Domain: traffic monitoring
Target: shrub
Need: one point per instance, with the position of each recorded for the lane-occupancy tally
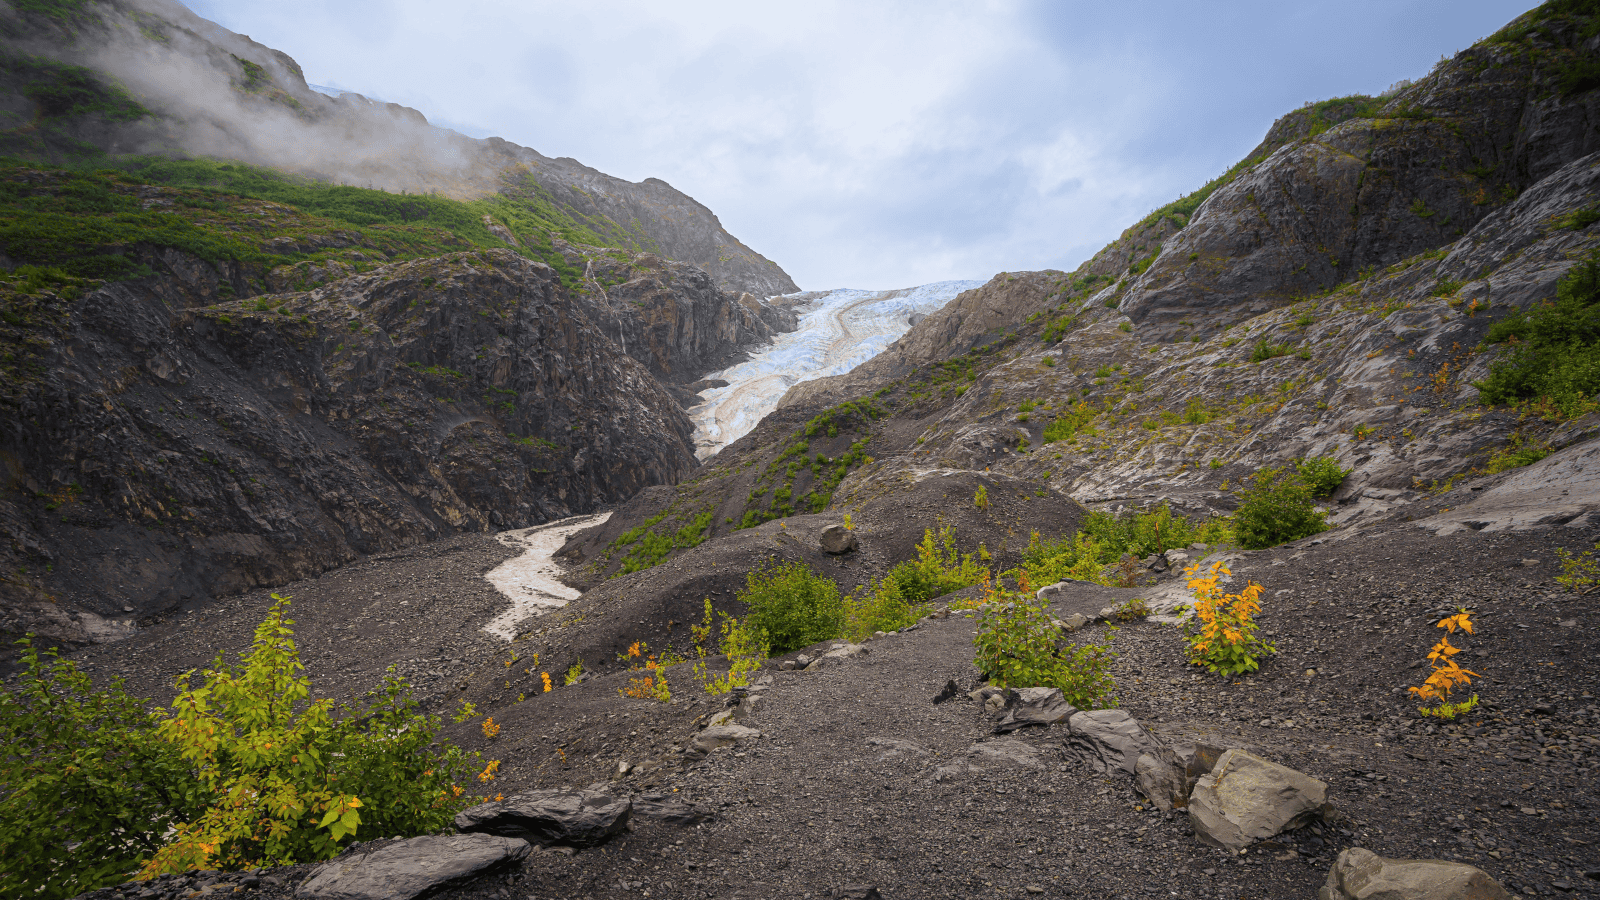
(744, 645)
(245, 770)
(288, 780)
(1263, 351)
(1017, 646)
(89, 788)
(1322, 474)
(1071, 422)
(1555, 346)
(1222, 634)
(794, 606)
(1446, 675)
(901, 596)
(1277, 507)
(1104, 539)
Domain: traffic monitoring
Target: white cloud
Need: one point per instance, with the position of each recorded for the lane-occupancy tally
(877, 144)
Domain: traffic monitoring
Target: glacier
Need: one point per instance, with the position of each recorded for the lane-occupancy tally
(839, 330)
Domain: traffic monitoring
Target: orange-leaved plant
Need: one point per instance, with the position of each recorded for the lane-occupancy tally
(1222, 634)
(1447, 675)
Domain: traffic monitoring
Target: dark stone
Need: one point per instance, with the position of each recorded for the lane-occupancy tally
(949, 693)
(1034, 706)
(410, 868)
(837, 539)
(857, 892)
(572, 818)
(1110, 739)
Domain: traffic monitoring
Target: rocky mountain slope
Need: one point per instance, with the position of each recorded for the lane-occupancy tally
(151, 77)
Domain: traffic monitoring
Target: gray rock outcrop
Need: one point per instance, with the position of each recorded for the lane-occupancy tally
(402, 870)
(1034, 706)
(570, 818)
(1247, 799)
(1109, 740)
(1363, 875)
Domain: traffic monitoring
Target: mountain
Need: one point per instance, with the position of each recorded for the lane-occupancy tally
(150, 77)
(227, 362)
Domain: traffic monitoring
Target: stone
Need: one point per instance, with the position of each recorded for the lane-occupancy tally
(712, 739)
(1360, 874)
(1176, 559)
(896, 748)
(857, 892)
(987, 756)
(1110, 739)
(671, 810)
(1074, 622)
(1161, 781)
(837, 539)
(411, 868)
(983, 694)
(567, 817)
(1033, 706)
(1245, 799)
(950, 692)
(726, 717)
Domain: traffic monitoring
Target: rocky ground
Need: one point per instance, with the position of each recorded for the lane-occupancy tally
(844, 786)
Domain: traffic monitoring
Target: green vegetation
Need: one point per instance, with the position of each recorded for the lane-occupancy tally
(1017, 645)
(1105, 539)
(818, 475)
(1555, 347)
(64, 94)
(792, 605)
(1518, 453)
(901, 596)
(1322, 474)
(1263, 351)
(245, 770)
(1277, 507)
(646, 547)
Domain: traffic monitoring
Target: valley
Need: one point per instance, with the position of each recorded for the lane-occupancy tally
(1276, 517)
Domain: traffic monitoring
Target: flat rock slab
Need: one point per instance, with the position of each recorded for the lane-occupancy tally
(719, 736)
(1363, 875)
(410, 868)
(1247, 799)
(661, 808)
(571, 818)
(1034, 706)
(1561, 489)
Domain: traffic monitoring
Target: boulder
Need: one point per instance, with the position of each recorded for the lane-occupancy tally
(1161, 781)
(401, 870)
(1363, 875)
(1246, 799)
(571, 818)
(1110, 739)
(1034, 706)
(720, 736)
(837, 539)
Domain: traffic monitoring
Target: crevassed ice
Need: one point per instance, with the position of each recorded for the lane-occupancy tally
(838, 331)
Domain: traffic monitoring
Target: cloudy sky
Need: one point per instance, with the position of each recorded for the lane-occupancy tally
(870, 143)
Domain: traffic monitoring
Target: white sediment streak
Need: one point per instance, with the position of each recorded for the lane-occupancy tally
(530, 581)
(842, 330)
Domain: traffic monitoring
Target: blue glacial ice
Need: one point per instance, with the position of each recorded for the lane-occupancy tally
(838, 331)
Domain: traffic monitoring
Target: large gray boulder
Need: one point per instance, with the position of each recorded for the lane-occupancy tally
(716, 737)
(1363, 875)
(410, 868)
(572, 818)
(1034, 706)
(1110, 740)
(837, 539)
(1246, 799)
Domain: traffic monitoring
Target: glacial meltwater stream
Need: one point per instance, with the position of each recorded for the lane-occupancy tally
(838, 331)
(530, 581)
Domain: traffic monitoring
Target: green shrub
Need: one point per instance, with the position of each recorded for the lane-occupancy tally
(1277, 507)
(1263, 351)
(245, 770)
(793, 605)
(1555, 347)
(1103, 539)
(87, 788)
(901, 596)
(1322, 474)
(1071, 422)
(1017, 646)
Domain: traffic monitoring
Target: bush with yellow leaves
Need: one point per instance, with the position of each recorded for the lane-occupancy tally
(1447, 674)
(1222, 634)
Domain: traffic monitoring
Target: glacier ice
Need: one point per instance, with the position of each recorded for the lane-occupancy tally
(838, 331)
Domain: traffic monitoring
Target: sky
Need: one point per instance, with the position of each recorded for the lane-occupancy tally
(872, 143)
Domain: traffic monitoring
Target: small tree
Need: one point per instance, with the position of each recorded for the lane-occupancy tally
(793, 606)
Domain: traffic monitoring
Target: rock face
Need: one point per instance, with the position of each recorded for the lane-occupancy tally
(569, 818)
(1110, 740)
(1247, 799)
(1034, 706)
(1363, 875)
(198, 452)
(402, 870)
